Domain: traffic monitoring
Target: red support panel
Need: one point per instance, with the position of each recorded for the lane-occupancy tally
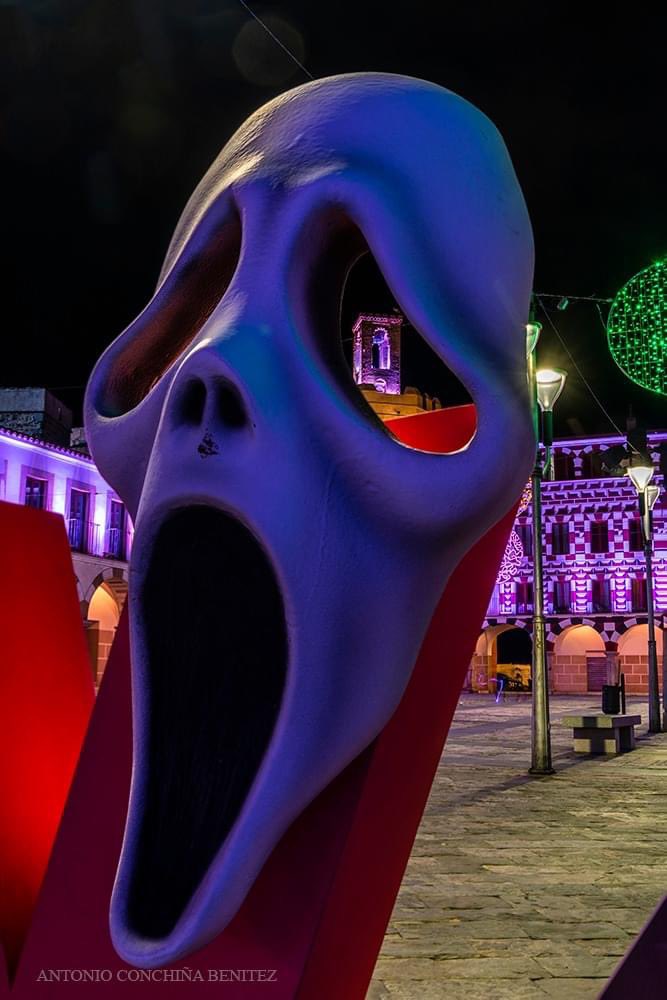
(46, 697)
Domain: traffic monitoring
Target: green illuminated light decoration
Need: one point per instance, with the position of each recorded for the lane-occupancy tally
(637, 328)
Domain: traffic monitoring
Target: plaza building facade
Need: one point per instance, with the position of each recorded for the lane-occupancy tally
(595, 578)
(64, 479)
(594, 564)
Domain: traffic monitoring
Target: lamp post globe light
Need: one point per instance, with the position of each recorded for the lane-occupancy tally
(550, 384)
(641, 475)
(546, 386)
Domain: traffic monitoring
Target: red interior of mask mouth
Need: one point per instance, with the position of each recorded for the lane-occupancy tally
(216, 651)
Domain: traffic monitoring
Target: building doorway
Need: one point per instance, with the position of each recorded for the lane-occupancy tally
(596, 671)
(102, 621)
(514, 655)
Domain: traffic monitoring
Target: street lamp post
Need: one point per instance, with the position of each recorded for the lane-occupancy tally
(545, 387)
(641, 476)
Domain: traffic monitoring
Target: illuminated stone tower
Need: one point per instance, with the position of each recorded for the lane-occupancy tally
(376, 352)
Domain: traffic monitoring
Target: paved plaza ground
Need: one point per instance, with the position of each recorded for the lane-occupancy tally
(522, 887)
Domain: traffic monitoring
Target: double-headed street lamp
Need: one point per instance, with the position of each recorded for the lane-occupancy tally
(546, 386)
(648, 493)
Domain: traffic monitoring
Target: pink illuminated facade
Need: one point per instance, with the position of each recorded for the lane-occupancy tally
(64, 480)
(595, 577)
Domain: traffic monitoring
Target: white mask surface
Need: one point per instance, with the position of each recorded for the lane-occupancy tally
(289, 551)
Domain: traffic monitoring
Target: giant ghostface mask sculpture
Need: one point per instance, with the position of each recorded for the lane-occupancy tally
(289, 551)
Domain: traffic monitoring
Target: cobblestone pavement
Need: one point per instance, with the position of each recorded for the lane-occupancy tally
(523, 887)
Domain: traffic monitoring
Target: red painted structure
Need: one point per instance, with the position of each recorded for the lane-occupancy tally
(318, 912)
(46, 697)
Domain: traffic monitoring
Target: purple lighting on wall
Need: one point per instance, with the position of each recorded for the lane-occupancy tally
(581, 592)
(619, 586)
(585, 576)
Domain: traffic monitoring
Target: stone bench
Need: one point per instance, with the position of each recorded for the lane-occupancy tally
(603, 733)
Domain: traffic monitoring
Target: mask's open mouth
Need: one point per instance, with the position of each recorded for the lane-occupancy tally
(216, 661)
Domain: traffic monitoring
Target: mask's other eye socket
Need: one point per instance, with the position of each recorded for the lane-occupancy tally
(181, 306)
(348, 314)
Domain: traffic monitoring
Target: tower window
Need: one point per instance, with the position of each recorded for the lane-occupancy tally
(381, 349)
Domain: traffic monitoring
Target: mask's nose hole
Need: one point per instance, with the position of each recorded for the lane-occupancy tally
(193, 403)
(215, 402)
(229, 406)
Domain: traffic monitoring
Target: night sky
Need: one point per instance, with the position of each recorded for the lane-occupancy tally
(112, 111)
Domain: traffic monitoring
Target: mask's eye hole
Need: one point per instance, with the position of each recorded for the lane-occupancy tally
(174, 317)
(392, 366)
(346, 313)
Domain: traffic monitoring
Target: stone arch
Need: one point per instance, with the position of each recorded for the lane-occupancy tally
(555, 629)
(514, 657)
(577, 636)
(633, 655)
(483, 668)
(116, 579)
(634, 638)
(381, 348)
(579, 662)
(83, 604)
(101, 608)
(104, 610)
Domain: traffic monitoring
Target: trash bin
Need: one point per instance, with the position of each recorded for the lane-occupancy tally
(611, 699)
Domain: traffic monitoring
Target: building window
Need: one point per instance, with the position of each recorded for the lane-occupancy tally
(587, 465)
(639, 594)
(524, 597)
(381, 349)
(599, 536)
(35, 492)
(563, 465)
(601, 595)
(77, 525)
(560, 538)
(525, 533)
(116, 531)
(561, 600)
(635, 538)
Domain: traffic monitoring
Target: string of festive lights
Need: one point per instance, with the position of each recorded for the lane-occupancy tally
(526, 497)
(509, 567)
(637, 328)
